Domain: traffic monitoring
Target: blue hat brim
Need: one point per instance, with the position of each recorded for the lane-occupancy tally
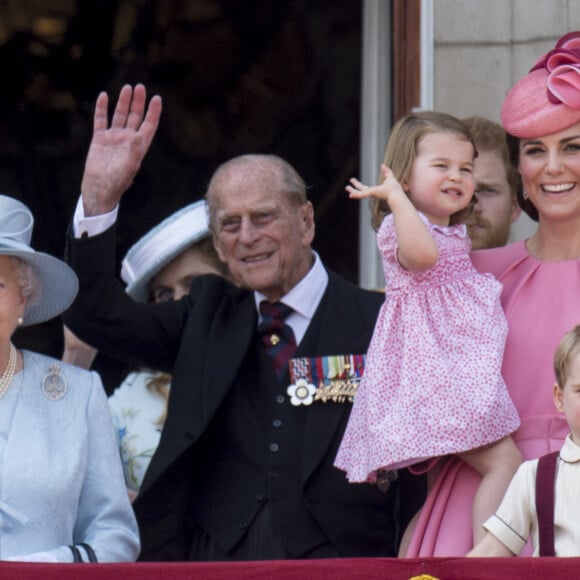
(58, 284)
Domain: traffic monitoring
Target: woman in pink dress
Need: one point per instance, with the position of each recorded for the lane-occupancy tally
(540, 278)
(432, 384)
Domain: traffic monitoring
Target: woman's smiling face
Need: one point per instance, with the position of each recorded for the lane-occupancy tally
(550, 170)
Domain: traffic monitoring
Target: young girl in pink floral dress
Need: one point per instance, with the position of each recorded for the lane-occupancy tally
(432, 384)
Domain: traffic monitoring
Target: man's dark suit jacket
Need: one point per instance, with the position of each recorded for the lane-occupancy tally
(203, 340)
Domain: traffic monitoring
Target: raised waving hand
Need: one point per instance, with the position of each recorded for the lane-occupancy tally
(117, 149)
(417, 249)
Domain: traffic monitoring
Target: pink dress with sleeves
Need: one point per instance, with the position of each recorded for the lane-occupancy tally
(541, 301)
(432, 383)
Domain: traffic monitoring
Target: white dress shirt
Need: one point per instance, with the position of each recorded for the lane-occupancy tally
(516, 517)
(304, 298)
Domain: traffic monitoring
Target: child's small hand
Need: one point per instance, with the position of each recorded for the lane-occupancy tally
(385, 190)
(356, 189)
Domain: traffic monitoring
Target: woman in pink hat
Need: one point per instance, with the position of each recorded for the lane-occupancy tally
(540, 277)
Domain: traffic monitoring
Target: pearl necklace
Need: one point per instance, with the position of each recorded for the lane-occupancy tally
(6, 378)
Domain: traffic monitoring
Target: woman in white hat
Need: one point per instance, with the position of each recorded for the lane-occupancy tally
(157, 268)
(62, 495)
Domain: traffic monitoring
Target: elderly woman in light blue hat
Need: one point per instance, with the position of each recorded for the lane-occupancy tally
(62, 495)
(157, 268)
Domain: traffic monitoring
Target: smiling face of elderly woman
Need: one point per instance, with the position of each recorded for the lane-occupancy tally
(14, 279)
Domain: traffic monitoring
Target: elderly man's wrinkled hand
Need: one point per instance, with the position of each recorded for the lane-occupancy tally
(117, 150)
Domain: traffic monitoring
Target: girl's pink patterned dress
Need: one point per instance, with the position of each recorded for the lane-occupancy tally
(432, 384)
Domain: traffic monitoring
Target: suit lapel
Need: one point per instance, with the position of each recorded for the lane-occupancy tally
(232, 332)
(230, 335)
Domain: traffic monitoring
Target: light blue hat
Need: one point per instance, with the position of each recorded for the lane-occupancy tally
(161, 245)
(58, 284)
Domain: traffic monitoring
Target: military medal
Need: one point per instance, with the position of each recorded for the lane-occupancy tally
(325, 378)
(54, 384)
(301, 392)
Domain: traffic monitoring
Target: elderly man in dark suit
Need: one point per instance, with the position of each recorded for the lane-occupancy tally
(244, 469)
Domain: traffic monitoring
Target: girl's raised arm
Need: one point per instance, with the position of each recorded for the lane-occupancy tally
(417, 249)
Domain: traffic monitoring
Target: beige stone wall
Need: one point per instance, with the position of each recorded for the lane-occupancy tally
(481, 47)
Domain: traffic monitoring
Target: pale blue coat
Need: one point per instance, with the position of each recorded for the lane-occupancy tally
(61, 480)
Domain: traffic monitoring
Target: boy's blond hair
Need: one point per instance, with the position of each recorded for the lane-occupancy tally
(568, 348)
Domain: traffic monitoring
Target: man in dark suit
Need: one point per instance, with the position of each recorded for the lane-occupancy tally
(244, 469)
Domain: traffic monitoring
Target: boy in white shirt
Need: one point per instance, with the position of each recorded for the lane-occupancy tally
(517, 517)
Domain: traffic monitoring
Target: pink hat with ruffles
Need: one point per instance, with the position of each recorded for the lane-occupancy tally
(547, 99)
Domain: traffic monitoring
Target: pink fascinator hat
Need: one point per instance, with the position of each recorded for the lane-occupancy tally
(547, 99)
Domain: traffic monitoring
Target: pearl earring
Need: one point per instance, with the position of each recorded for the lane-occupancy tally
(524, 194)
(20, 321)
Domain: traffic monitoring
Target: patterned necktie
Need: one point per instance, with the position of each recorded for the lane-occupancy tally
(276, 336)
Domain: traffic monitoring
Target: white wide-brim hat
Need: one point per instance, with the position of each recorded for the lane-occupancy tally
(57, 283)
(161, 245)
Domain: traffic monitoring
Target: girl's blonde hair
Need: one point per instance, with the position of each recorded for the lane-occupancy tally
(401, 152)
(568, 348)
